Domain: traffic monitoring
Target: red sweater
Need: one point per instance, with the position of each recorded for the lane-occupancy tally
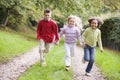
(48, 31)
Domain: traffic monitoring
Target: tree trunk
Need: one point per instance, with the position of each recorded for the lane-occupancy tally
(6, 18)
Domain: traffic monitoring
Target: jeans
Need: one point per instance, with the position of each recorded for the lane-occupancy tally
(89, 53)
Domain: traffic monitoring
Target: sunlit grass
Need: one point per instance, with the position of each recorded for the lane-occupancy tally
(109, 63)
(12, 44)
(55, 69)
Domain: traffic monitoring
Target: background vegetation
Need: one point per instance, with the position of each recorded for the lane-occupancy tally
(111, 33)
(14, 13)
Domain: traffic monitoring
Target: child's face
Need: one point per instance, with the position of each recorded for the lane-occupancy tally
(94, 24)
(47, 16)
(71, 22)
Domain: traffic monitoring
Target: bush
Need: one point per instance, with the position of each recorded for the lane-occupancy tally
(110, 31)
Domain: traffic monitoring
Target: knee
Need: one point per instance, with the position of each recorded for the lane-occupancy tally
(91, 60)
(46, 51)
(67, 56)
(41, 50)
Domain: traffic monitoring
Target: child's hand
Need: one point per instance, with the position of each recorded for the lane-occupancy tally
(83, 43)
(56, 43)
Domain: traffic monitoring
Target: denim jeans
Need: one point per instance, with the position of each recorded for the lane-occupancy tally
(89, 53)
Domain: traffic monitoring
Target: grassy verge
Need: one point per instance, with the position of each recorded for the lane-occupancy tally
(54, 69)
(109, 63)
(13, 44)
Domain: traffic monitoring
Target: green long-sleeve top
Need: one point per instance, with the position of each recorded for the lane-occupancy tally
(92, 36)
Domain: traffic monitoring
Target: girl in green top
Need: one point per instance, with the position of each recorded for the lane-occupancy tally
(90, 37)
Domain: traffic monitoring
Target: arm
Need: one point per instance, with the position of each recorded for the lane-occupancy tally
(100, 42)
(84, 35)
(62, 31)
(55, 27)
(79, 37)
(38, 31)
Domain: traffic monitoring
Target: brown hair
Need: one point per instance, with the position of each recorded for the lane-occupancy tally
(100, 22)
(47, 11)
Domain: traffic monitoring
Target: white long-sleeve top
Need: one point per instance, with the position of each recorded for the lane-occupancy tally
(71, 34)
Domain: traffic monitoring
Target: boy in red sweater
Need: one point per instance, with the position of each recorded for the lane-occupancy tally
(47, 33)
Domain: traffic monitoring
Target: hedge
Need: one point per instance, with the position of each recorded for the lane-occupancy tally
(110, 32)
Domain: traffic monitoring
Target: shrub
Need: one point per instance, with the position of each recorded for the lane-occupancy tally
(110, 31)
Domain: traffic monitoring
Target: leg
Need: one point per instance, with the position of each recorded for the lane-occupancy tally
(90, 64)
(86, 53)
(67, 56)
(41, 52)
(72, 49)
(48, 47)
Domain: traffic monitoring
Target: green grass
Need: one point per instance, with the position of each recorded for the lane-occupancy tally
(109, 63)
(54, 69)
(13, 44)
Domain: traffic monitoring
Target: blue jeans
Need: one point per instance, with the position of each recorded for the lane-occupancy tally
(89, 53)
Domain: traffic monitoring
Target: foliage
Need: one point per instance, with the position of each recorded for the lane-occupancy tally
(111, 33)
(20, 11)
(111, 5)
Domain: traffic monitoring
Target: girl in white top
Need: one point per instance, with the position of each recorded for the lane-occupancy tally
(71, 33)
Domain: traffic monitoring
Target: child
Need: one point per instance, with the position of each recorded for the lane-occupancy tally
(71, 34)
(47, 33)
(90, 37)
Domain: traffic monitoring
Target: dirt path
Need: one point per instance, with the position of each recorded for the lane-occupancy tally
(13, 69)
(79, 68)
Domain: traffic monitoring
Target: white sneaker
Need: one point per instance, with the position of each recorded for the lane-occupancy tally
(67, 68)
(83, 61)
(43, 63)
(88, 74)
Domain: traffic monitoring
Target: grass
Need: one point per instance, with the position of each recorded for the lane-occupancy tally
(109, 63)
(54, 69)
(13, 44)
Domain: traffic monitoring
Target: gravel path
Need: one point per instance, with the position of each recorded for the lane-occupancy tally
(13, 69)
(79, 68)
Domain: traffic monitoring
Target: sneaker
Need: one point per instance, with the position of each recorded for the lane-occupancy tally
(43, 63)
(88, 74)
(83, 60)
(67, 68)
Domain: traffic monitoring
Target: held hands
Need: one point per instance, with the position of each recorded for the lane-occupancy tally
(56, 43)
(83, 44)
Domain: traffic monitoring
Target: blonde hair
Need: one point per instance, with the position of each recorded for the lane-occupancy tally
(78, 21)
(71, 17)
